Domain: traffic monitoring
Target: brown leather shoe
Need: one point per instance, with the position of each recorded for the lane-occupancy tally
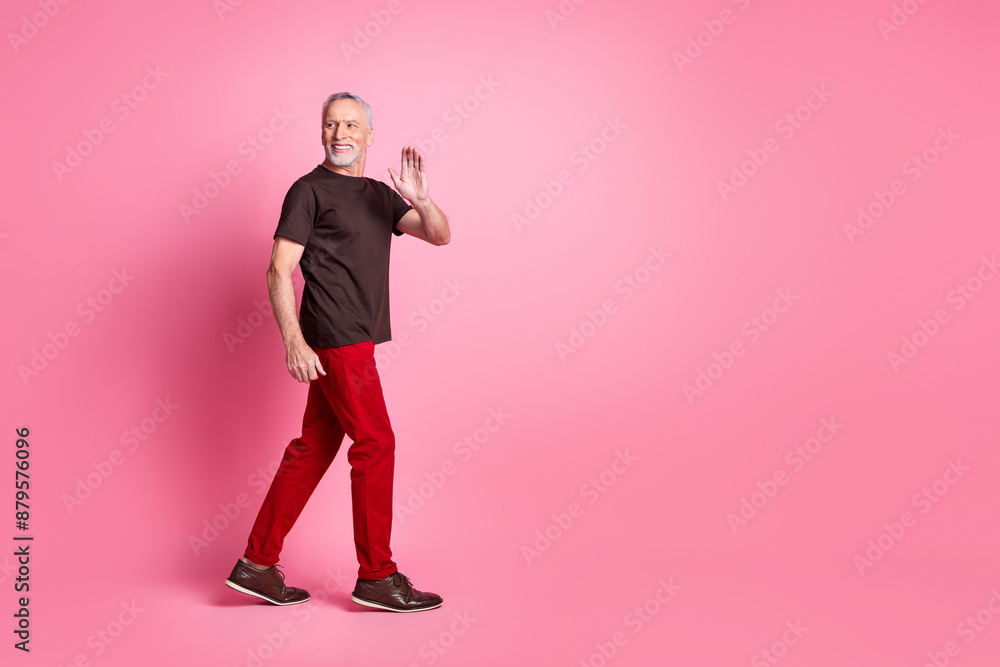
(266, 584)
(394, 593)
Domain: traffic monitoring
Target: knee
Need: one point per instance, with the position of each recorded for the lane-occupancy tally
(297, 451)
(372, 448)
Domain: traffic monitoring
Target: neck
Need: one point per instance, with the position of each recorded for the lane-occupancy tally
(356, 171)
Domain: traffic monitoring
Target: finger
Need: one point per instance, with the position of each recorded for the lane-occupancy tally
(409, 158)
(300, 374)
(314, 366)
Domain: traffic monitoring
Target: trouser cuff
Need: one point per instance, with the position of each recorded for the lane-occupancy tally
(381, 574)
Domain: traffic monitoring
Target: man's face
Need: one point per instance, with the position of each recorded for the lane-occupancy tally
(346, 135)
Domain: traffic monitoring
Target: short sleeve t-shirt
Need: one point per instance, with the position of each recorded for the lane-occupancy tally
(346, 224)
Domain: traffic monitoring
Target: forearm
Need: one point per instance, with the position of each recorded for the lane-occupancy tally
(434, 221)
(282, 295)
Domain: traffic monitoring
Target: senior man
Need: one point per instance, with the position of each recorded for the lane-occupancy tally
(337, 225)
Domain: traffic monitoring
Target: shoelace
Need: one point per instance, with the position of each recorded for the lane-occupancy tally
(408, 588)
(282, 575)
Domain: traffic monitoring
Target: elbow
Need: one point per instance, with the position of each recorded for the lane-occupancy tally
(274, 275)
(442, 237)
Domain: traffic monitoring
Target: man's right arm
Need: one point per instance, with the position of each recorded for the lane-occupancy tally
(302, 362)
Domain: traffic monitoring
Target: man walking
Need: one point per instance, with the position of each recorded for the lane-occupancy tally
(337, 225)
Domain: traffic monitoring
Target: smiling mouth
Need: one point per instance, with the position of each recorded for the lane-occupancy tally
(341, 148)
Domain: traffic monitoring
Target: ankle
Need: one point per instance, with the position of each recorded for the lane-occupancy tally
(256, 566)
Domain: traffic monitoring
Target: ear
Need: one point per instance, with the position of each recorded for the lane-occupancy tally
(371, 136)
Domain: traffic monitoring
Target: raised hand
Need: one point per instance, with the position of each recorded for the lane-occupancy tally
(411, 181)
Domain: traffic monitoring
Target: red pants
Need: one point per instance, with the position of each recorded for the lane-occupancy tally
(348, 399)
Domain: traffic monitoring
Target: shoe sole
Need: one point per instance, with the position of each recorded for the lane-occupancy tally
(378, 605)
(241, 589)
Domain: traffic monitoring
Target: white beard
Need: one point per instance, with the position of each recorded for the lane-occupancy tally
(347, 160)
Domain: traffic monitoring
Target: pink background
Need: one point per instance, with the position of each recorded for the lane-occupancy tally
(790, 584)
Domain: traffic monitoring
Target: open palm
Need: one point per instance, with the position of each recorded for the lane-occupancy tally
(411, 181)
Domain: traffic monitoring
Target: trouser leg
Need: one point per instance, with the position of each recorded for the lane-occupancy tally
(303, 464)
(354, 391)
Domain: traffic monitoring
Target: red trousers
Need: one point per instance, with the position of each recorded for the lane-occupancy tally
(347, 400)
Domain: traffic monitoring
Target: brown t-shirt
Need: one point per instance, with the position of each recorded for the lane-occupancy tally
(346, 224)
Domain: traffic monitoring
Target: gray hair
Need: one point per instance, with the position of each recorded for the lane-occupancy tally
(348, 96)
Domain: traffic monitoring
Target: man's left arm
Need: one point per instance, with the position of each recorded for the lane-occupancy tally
(426, 221)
